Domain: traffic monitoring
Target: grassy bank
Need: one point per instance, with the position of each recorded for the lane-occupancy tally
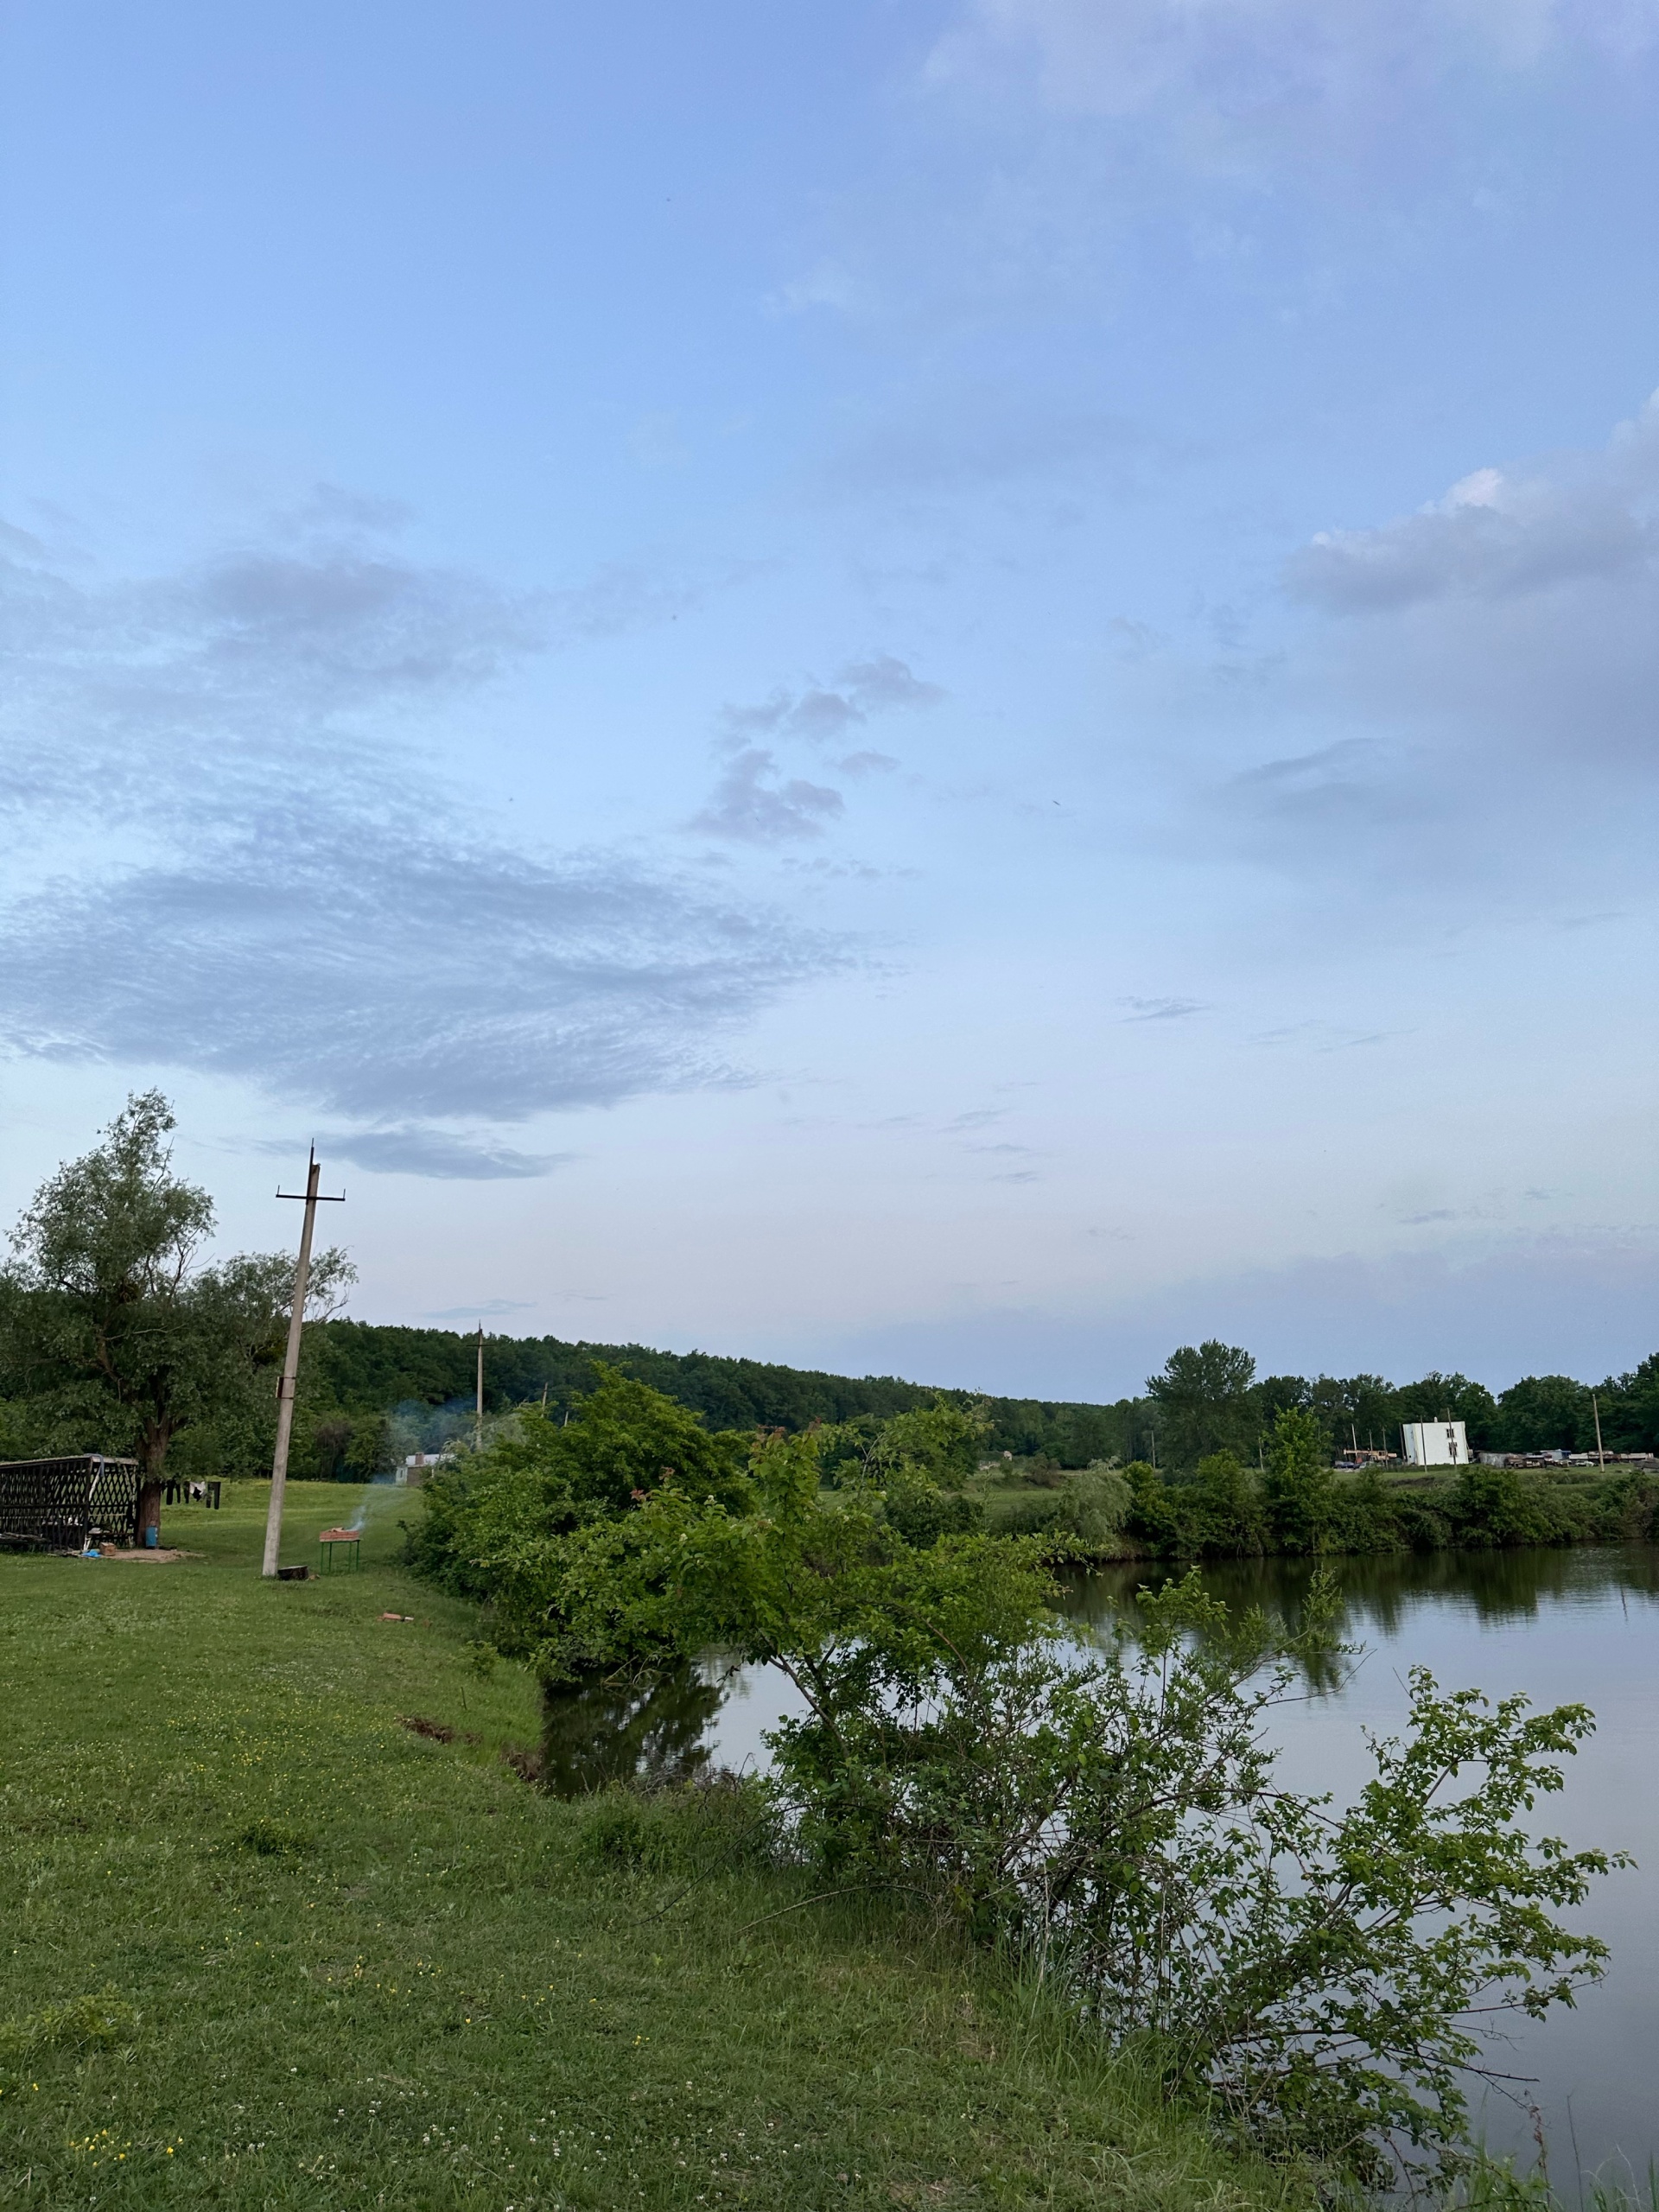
(266, 1945)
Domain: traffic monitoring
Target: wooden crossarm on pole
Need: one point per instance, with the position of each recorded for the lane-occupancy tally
(311, 1198)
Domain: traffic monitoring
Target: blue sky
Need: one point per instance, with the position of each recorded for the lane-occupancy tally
(963, 688)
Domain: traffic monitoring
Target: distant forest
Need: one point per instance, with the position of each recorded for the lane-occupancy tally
(367, 1391)
(370, 1394)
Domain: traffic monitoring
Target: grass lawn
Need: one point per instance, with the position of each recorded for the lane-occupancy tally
(265, 1945)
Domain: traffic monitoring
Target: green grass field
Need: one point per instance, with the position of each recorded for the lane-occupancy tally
(266, 1946)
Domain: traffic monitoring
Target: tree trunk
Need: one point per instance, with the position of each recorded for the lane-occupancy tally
(151, 1476)
(150, 1511)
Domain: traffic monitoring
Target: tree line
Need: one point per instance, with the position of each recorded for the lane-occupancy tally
(369, 1391)
(117, 1334)
(1207, 1398)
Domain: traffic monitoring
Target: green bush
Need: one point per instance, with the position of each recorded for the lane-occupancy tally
(920, 1512)
(1300, 1488)
(1094, 1503)
(1307, 1976)
(1151, 1518)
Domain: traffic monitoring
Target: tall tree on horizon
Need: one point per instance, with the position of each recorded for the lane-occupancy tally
(1203, 1402)
(109, 1310)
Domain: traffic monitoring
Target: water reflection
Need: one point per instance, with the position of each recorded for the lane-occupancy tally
(657, 1732)
(1380, 1595)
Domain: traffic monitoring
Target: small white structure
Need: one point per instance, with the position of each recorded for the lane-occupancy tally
(1434, 1444)
(419, 1465)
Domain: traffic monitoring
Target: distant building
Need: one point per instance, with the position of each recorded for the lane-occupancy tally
(1433, 1443)
(419, 1465)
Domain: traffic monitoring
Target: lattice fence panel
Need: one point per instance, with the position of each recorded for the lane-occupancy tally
(51, 1503)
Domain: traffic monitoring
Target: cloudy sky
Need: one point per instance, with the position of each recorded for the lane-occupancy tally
(966, 687)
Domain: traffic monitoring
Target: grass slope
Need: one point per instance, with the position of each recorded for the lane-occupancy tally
(265, 1946)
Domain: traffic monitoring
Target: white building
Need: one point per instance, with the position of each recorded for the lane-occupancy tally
(1434, 1444)
(419, 1465)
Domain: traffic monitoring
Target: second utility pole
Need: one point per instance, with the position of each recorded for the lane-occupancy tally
(478, 1425)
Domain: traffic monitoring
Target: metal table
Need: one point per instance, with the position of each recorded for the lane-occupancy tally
(340, 1551)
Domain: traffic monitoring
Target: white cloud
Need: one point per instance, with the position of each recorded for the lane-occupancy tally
(266, 886)
(1500, 533)
(1477, 692)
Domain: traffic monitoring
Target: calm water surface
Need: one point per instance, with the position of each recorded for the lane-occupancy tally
(1579, 1626)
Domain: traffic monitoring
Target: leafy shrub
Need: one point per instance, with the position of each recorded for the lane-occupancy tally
(1094, 1503)
(1309, 1977)
(921, 1512)
(1151, 1517)
(1300, 1488)
(1626, 1507)
(1224, 1506)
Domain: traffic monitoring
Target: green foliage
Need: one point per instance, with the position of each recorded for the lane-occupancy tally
(941, 1441)
(513, 1523)
(652, 1562)
(1492, 1505)
(1546, 1412)
(1626, 1507)
(358, 1367)
(1094, 1503)
(920, 1512)
(112, 1331)
(1151, 1517)
(1224, 1509)
(1298, 1491)
(1353, 1409)
(696, 1828)
(1308, 1976)
(1630, 1408)
(1204, 1396)
(1369, 1516)
(1224, 1513)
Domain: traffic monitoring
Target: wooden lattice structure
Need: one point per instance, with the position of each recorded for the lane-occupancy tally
(49, 1505)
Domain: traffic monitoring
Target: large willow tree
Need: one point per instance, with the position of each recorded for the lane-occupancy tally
(113, 1321)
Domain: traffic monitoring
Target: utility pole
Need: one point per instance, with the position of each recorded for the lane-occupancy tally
(478, 1424)
(291, 1358)
(1595, 1408)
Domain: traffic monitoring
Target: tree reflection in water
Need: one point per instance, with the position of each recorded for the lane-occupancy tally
(1380, 1591)
(652, 1730)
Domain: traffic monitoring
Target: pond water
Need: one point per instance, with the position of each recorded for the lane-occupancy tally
(1568, 1626)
